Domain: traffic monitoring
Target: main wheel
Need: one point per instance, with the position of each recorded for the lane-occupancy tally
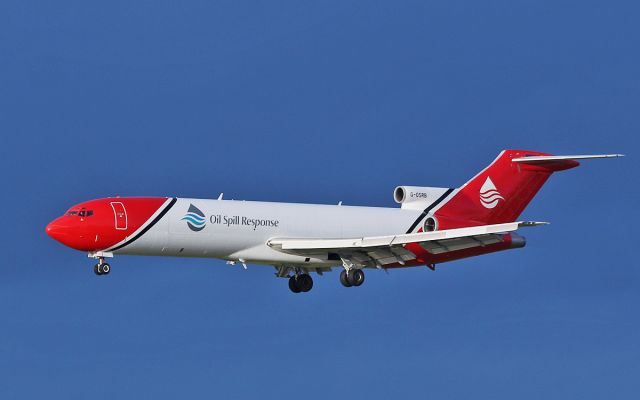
(343, 279)
(305, 282)
(355, 277)
(293, 285)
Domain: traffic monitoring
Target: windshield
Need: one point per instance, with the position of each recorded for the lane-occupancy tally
(81, 213)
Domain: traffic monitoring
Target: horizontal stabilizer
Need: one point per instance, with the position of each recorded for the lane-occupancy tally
(559, 163)
(539, 159)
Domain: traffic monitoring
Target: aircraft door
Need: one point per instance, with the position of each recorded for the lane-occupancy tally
(120, 214)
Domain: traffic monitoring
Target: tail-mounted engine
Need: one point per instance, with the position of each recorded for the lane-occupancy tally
(416, 197)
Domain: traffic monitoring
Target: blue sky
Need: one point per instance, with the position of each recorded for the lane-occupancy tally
(318, 102)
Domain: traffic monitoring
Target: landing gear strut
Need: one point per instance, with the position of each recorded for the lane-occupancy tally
(300, 283)
(101, 268)
(352, 277)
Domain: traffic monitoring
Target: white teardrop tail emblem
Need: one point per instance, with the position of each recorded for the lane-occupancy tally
(489, 195)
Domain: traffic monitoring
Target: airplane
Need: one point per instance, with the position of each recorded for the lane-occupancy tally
(431, 226)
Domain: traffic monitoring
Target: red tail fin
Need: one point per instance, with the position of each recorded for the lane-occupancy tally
(500, 192)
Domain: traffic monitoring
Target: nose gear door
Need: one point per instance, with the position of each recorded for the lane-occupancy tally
(120, 214)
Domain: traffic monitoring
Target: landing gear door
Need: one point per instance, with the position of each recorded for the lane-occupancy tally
(120, 214)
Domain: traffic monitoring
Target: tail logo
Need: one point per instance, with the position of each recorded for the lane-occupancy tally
(195, 218)
(489, 195)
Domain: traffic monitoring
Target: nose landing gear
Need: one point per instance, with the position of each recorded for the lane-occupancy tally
(101, 268)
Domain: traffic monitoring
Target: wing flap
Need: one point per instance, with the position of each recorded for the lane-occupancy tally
(445, 246)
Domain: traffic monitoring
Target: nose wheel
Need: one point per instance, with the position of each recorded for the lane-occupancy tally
(102, 268)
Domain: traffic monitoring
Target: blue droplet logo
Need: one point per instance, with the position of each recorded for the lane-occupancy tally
(195, 218)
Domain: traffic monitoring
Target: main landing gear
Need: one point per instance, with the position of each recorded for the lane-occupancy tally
(101, 268)
(300, 283)
(352, 277)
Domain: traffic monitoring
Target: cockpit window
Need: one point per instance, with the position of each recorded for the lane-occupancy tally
(80, 213)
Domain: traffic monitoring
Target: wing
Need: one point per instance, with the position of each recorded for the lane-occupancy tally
(379, 251)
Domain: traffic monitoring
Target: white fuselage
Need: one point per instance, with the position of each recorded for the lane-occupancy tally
(239, 230)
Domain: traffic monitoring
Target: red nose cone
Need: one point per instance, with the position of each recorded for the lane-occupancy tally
(56, 231)
(68, 232)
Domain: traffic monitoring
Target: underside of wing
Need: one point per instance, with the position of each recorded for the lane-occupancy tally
(382, 251)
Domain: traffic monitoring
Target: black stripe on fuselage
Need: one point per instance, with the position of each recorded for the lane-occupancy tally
(142, 232)
(428, 209)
